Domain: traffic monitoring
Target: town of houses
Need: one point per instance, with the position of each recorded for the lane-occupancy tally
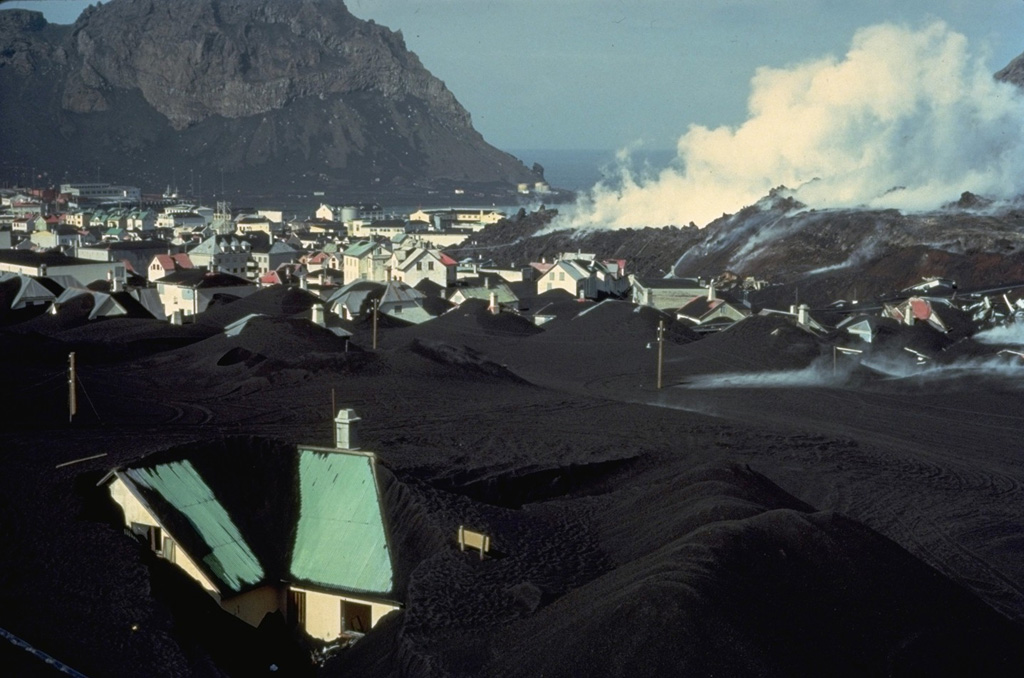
(173, 261)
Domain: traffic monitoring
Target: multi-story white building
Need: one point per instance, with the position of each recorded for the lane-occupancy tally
(101, 192)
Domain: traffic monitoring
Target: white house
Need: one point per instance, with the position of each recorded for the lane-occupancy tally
(573, 276)
(367, 260)
(165, 264)
(222, 254)
(190, 291)
(414, 264)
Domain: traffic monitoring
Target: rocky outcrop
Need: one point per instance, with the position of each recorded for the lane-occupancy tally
(277, 93)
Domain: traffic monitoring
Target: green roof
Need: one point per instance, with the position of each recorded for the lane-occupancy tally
(230, 559)
(340, 539)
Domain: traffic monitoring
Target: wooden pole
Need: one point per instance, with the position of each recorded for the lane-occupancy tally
(334, 408)
(661, 349)
(376, 304)
(72, 392)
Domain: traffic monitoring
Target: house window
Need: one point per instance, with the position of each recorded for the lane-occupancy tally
(156, 539)
(561, 276)
(430, 266)
(419, 265)
(297, 608)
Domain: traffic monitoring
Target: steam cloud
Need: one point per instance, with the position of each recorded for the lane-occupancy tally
(906, 119)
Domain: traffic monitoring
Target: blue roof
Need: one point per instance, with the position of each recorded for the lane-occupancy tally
(230, 559)
(340, 539)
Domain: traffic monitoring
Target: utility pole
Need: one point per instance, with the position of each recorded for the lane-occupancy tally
(72, 394)
(661, 349)
(376, 305)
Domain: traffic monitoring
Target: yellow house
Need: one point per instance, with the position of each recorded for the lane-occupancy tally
(314, 544)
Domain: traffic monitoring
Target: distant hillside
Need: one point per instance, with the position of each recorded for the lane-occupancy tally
(277, 96)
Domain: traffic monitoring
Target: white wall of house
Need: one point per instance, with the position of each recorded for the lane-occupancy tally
(560, 277)
(136, 512)
(252, 606)
(323, 612)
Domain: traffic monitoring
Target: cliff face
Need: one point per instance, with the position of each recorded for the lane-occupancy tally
(276, 93)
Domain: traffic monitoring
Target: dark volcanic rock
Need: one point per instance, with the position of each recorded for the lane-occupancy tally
(273, 94)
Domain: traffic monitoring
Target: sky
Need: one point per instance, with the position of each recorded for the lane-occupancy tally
(870, 102)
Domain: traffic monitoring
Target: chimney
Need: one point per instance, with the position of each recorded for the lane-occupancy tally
(908, 314)
(303, 285)
(117, 285)
(345, 434)
(318, 314)
(177, 317)
(493, 308)
(801, 315)
(711, 290)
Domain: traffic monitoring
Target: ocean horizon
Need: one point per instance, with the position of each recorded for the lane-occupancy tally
(582, 169)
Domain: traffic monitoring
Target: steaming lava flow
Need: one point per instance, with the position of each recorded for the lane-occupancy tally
(849, 254)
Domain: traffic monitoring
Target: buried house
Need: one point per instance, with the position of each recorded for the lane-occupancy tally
(311, 540)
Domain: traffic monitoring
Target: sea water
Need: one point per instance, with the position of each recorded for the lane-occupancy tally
(582, 169)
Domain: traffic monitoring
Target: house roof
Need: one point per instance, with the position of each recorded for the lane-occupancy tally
(30, 290)
(340, 539)
(364, 248)
(670, 284)
(171, 261)
(318, 520)
(230, 559)
(196, 277)
(396, 292)
(502, 291)
(578, 270)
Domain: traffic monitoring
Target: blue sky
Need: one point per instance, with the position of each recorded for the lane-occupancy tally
(606, 74)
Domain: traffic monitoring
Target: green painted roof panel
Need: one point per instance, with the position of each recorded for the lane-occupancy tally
(340, 539)
(230, 559)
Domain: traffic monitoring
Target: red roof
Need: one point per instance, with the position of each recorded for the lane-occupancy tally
(921, 309)
(448, 261)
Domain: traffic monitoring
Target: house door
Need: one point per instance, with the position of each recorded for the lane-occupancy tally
(355, 616)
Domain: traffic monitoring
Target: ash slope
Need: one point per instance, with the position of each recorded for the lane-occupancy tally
(272, 94)
(635, 535)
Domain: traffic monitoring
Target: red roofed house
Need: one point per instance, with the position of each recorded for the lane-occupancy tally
(165, 264)
(412, 265)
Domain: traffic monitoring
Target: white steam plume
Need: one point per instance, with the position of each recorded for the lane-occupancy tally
(904, 109)
(1012, 334)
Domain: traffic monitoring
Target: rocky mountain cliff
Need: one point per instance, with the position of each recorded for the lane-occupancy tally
(273, 96)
